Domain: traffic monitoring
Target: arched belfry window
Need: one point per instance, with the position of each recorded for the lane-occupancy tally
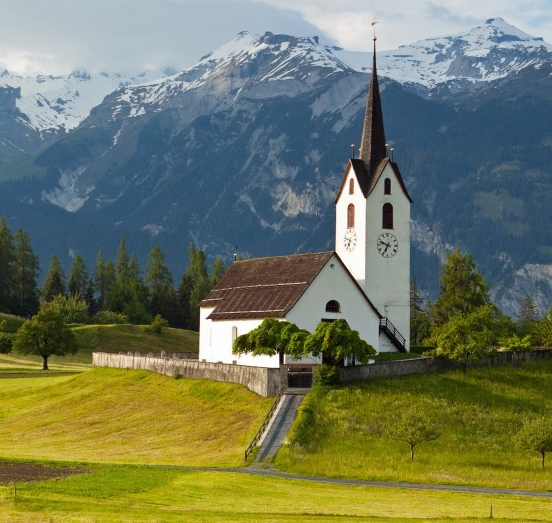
(387, 186)
(387, 216)
(350, 216)
(352, 186)
(333, 306)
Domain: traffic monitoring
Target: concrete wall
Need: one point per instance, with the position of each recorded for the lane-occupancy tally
(264, 381)
(424, 365)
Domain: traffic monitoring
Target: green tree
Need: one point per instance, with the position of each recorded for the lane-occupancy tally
(197, 272)
(468, 338)
(218, 268)
(335, 341)
(78, 278)
(420, 322)
(104, 281)
(7, 260)
(6, 339)
(413, 428)
(517, 346)
(26, 268)
(462, 288)
(162, 296)
(184, 297)
(54, 281)
(270, 338)
(45, 335)
(536, 434)
(73, 309)
(542, 330)
(122, 263)
(527, 315)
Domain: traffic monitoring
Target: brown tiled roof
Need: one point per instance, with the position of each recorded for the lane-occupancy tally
(264, 287)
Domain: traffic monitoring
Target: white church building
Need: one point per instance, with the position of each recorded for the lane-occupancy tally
(365, 281)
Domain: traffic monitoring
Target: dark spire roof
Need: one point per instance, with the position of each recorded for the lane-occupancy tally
(372, 147)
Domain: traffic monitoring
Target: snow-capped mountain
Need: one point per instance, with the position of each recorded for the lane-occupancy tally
(247, 148)
(487, 52)
(49, 103)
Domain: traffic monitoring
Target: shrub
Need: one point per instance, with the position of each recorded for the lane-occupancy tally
(326, 375)
(158, 325)
(109, 318)
(6, 342)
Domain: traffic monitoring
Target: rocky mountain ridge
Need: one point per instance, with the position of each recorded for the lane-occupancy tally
(246, 150)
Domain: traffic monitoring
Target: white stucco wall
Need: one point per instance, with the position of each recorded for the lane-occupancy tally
(355, 259)
(388, 279)
(332, 283)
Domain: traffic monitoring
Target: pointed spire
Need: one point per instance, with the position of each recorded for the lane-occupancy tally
(372, 147)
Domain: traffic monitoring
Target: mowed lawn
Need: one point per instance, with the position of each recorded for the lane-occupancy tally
(341, 431)
(134, 435)
(119, 416)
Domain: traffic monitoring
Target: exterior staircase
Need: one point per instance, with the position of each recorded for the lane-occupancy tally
(397, 339)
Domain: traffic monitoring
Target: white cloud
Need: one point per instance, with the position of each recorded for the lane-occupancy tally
(57, 36)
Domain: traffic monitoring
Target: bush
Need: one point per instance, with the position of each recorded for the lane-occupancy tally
(6, 342)
(109, 318)
(326, 375)
(158, 325)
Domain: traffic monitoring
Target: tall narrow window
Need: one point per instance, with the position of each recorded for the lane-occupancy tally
(387, 186)
(387, 216)
(234, 333)
(352, 186)
(350, 216)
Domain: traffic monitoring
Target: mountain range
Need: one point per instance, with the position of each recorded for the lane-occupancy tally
(243, 152)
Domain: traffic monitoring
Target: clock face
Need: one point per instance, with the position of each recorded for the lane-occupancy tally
(350, 239)
(387, 245)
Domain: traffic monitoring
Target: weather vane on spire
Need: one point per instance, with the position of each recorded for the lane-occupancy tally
(374, 26)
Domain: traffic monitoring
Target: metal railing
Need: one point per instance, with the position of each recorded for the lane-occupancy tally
(396, 337)
(265, 423)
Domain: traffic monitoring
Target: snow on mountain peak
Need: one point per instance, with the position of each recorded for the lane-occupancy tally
(486, 52)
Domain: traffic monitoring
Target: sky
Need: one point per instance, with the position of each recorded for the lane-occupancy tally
(59, 36)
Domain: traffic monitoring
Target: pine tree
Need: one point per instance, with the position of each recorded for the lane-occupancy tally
(527, 315)
(78, 279)
(104, 280)
(7, 260)
(26, 268)
(462, 288)
(54, 281)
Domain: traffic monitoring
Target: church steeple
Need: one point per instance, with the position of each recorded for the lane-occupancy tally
(372, 147)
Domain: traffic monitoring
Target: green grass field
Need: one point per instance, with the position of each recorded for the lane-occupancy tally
(341, 431)
(141, 437)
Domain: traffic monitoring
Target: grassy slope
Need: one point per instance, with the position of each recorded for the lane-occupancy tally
(109, 415)
(114, 416)
(340, 432)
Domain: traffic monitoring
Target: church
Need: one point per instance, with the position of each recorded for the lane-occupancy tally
(365, 281)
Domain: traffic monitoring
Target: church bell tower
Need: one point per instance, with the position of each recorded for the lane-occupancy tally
(372, 226)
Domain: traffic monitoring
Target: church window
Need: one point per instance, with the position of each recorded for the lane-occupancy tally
(351, 186)
(350, 216)
(387, 186)
(387, 216)
(333, 306)
(234, 333)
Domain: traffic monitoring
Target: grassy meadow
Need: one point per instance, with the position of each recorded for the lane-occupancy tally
(148, 446)
(340, 431)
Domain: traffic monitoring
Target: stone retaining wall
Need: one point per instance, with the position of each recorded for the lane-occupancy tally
(264, 381)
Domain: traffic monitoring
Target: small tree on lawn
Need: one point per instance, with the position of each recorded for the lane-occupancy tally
(45, 334)
(335, 341)
(412, 428)
(536, 434)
